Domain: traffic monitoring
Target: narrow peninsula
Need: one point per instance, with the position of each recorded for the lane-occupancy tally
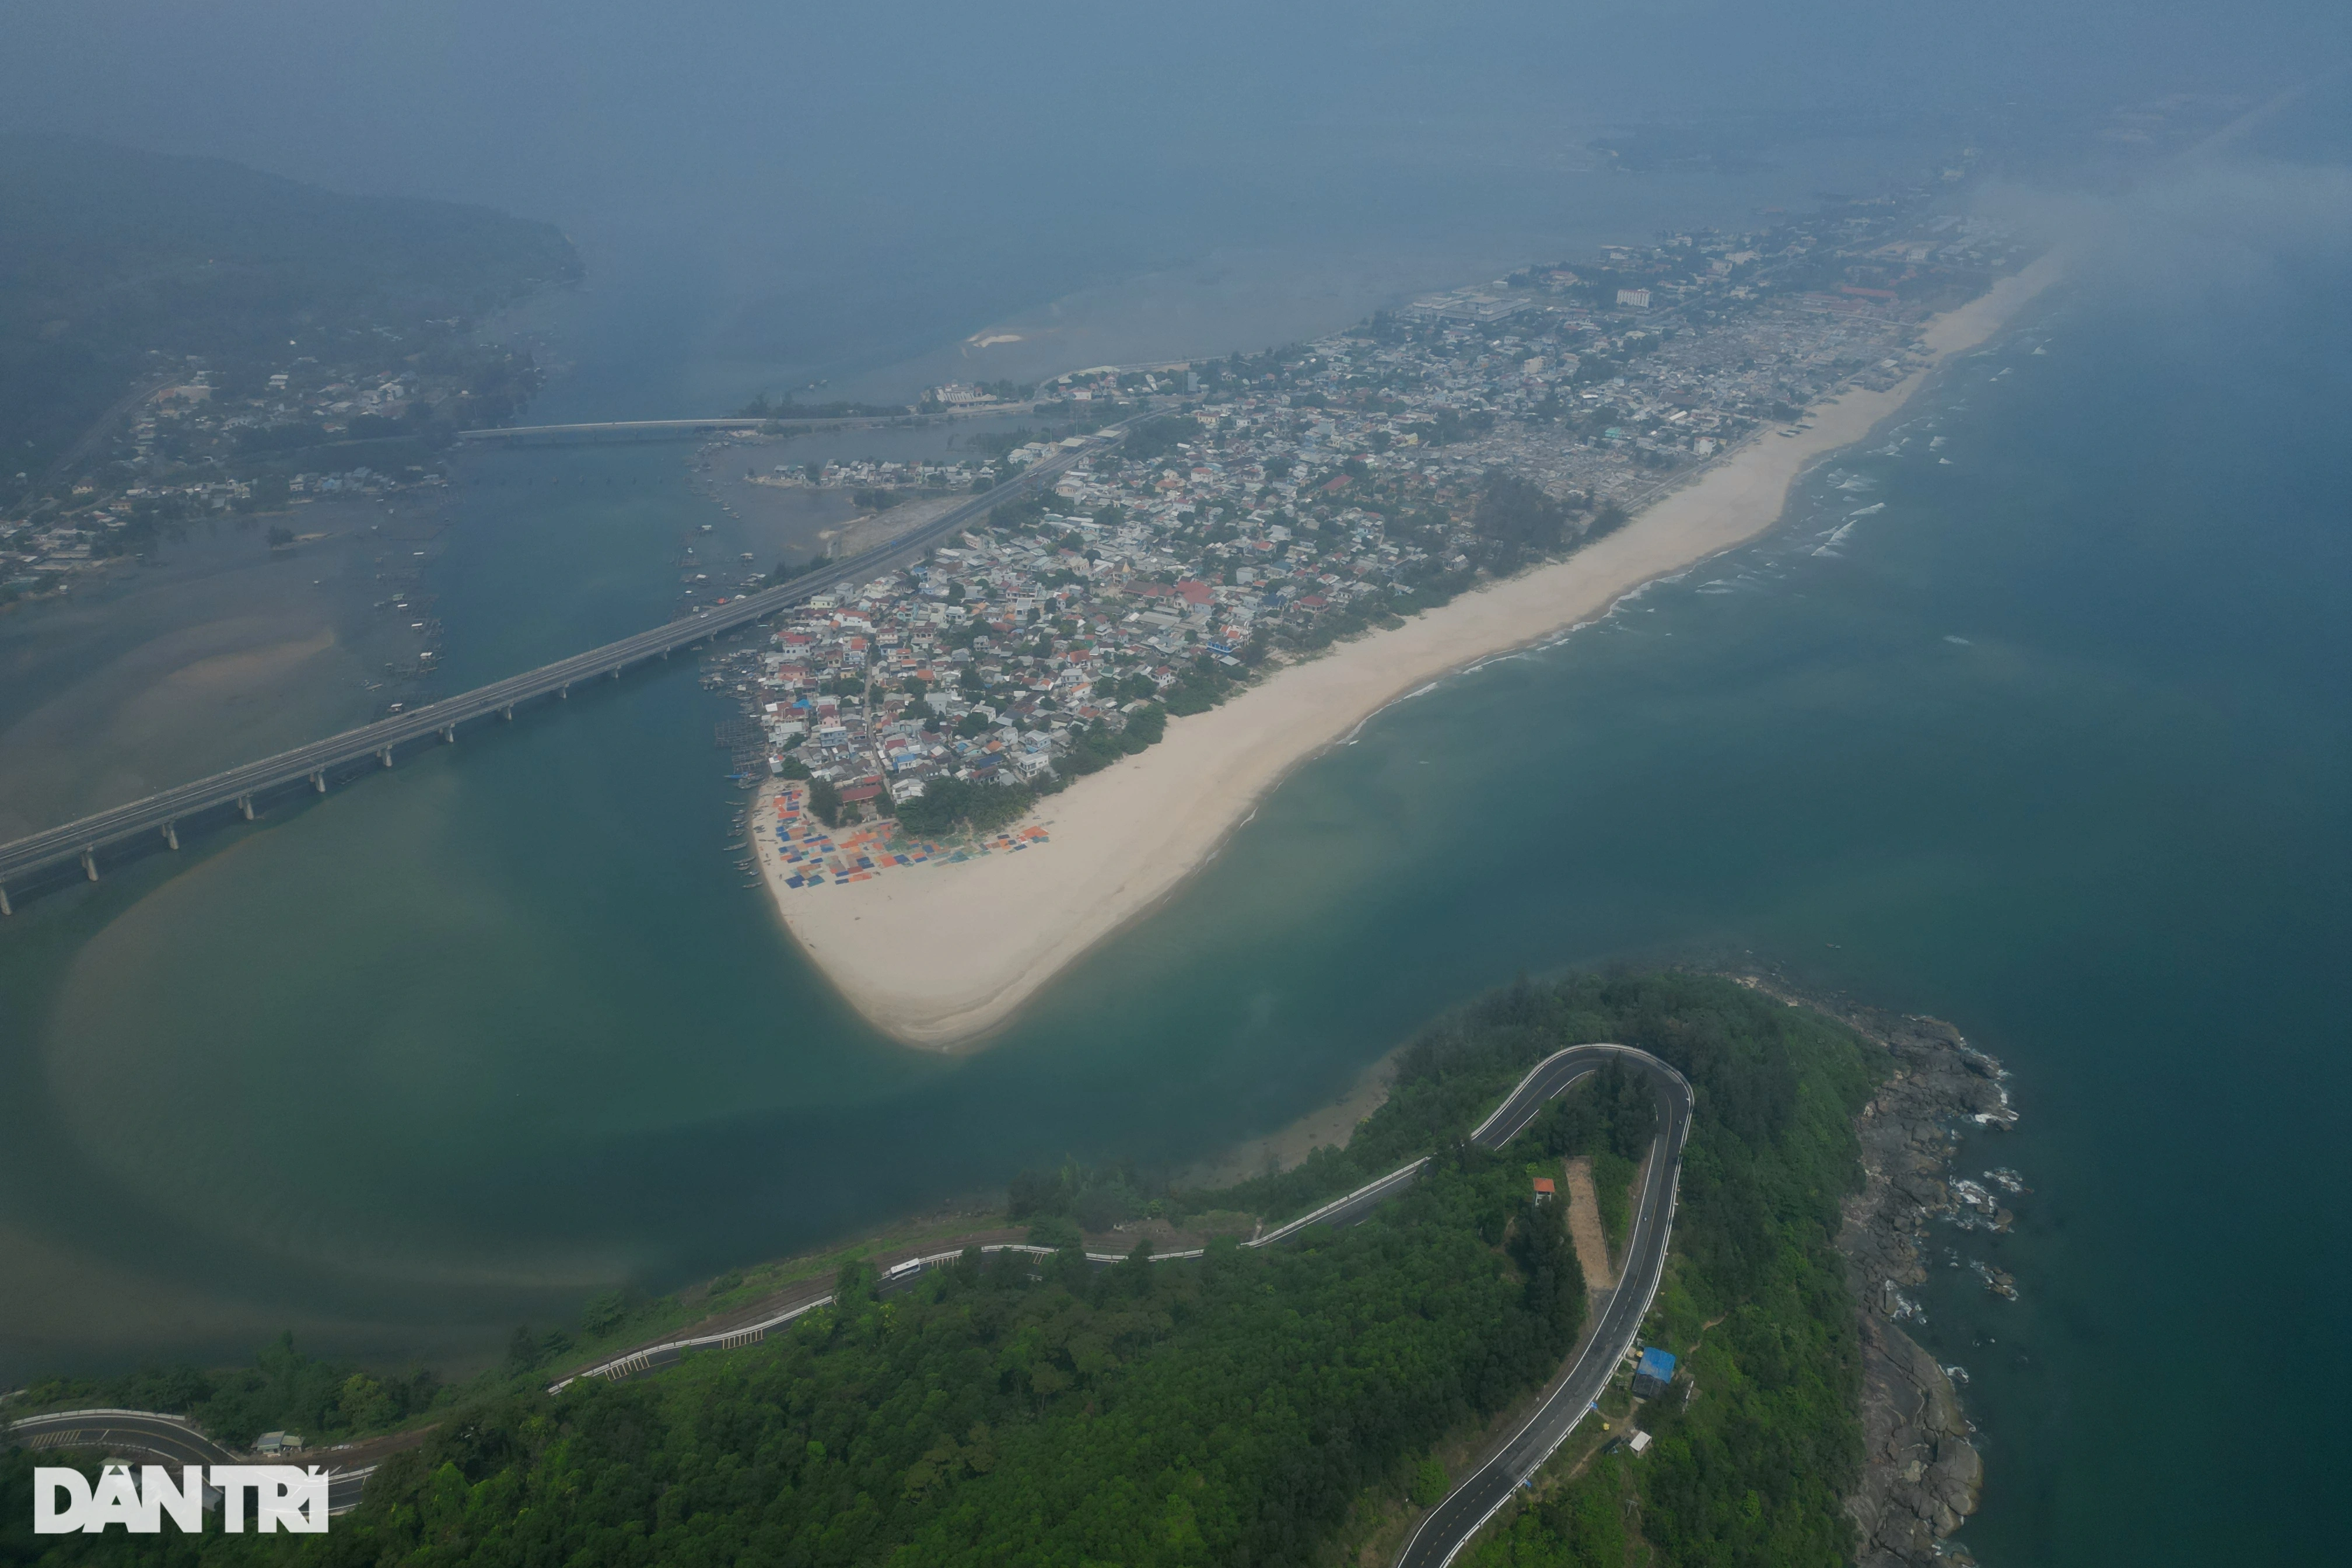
(1133, 1376)
(970, 754)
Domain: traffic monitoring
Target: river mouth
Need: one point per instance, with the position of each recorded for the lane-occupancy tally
(2051, 743)
(215, 650)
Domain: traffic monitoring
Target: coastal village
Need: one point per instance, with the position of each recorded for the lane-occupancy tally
(198, 444)
(1218, 519)
(1261, 506)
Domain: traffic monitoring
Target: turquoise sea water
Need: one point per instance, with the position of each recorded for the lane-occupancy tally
(2053, 745)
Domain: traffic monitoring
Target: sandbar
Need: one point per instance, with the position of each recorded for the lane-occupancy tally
(992, 931)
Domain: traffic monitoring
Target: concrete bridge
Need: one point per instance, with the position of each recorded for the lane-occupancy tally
(690, 429)
(158, 817)
(634, 430)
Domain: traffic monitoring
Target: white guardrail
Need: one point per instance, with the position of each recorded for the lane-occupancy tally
(141, 1415)
(641, 1360)
(1527, 1467)
(66, 1437)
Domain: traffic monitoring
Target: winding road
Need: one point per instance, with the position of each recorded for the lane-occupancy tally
(1440, 1536)
(1480, 1495)
(158, 1439)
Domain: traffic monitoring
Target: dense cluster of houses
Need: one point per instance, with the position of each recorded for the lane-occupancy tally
(873, 474)
(1277, 500)
(208, 444)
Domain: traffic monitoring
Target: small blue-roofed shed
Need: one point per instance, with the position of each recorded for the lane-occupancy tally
(1653, 1372)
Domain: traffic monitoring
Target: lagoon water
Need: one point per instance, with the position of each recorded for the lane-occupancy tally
(2033, 716)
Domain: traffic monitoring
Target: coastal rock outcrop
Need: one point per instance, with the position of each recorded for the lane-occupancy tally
(1922, 1476)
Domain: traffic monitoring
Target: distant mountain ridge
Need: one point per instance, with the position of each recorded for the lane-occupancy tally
(107, 253)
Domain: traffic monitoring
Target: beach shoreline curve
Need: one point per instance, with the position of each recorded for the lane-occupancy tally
(943, 959)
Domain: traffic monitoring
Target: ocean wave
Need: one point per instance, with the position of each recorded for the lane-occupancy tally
(1632, 595)
(1837, 536)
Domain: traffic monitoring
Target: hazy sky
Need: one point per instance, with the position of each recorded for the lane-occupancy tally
(564, 105)
(956, 160)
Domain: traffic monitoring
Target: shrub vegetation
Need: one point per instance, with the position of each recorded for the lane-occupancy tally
(1249, 1407)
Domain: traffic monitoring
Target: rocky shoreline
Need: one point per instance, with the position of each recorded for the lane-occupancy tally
(1922, 1476)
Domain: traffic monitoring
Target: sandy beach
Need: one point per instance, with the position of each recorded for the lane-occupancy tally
(995, 930)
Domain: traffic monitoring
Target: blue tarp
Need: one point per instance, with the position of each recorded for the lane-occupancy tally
(1657, 1364)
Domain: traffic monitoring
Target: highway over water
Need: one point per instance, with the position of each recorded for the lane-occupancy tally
(158, 817)
(648, 429)
(687, 429)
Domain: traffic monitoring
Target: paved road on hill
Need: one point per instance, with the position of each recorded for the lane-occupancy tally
(1450, 1525)
(158, 1439)
(1548, 1079)
(1441, 1533)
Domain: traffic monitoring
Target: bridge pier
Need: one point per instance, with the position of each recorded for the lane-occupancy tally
(5, 909)
(50, 850)
(449, 734)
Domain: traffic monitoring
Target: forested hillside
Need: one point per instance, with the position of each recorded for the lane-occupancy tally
(1757, 1443)
(107, 253)
(1242, 1409)
(1229, 1410)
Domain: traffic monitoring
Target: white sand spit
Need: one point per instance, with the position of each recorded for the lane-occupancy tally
(940, 956)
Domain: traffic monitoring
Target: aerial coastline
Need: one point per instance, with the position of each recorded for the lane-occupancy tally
(996, 930)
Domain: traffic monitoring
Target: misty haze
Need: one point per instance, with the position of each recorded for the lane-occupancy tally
(1515, 786)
